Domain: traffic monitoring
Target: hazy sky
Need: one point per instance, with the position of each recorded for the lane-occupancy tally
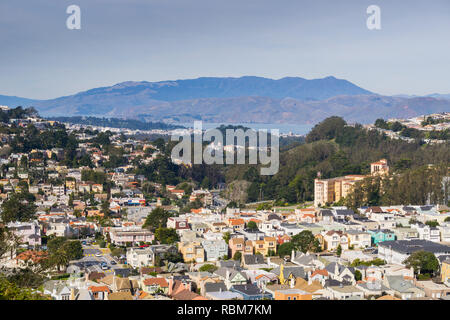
(156, 40)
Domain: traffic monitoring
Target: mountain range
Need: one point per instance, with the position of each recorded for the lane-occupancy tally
(236, 100)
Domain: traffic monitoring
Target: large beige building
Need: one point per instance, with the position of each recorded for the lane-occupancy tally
(334, 189)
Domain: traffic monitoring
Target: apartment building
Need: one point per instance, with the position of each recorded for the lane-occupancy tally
(334, 189)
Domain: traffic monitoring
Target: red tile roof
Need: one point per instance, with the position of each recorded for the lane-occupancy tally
(156, 281)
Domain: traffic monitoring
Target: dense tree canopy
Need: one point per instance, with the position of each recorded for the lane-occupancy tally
(156, 219)
(423, 262)
(19, 207)
(166, 235)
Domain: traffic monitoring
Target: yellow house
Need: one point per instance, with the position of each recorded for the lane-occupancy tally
(285, 277)
(192, 251)
(97, 188)
(445, 271)
(71, 184)
(264, 246)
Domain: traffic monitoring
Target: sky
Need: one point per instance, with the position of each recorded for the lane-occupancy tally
(156, 40)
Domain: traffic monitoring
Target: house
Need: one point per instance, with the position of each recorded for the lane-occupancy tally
(192, 251)
(99, 292)
(236, 224)
(287, 273)
(385, 220)
(333, 239)
(445, 271)
(290, 229)
(325, 216)
(27, 232)
(445, 232)
(365, 222)
(358, 239)
(406, 234)
(119, 284)
(250, 292)
(182, 290)
(341, 273)
(123, 235)
(155, 285)
(402, 288)
(139, 257)
(319, 275)
(236, 245)
(224, 295)
(97, 188)
(120, 296)
(261, 278)
(373, 287)
(30, 255)
(251, 234)
(215, 249)
(343, 292)
(218, 226)
(381, 235)
(214, 286)
(231, 276)
(292, 294)
(399, 250)
(432, 289)
(266, 245)
(306, 260)
(426, 232)
(253, 261)
(57, 289)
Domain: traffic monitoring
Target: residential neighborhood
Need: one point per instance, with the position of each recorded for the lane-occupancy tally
(104, 230)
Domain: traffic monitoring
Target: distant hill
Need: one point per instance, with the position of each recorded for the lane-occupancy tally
(245, 99)
(13, 102)
(439, 96)
(116, 123)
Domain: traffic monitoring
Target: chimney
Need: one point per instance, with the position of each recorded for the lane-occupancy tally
(170, 281)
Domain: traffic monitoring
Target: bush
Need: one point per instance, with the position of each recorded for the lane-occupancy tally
(208, 268)
(62, 276)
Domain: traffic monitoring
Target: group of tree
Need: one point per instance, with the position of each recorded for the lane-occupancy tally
(19, 207)
(17, 113)
(419, 185)
(303, 241)
(94, 176)
(11, 291)
(166, 235)
(61, 251)
(424, 263)
(156, 219)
